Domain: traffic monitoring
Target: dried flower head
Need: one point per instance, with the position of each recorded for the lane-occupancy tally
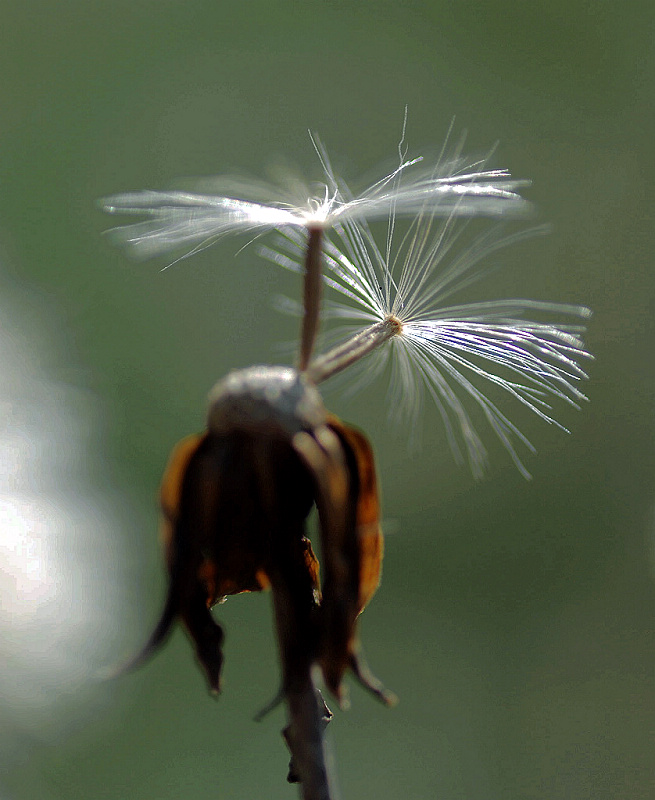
(235, 501)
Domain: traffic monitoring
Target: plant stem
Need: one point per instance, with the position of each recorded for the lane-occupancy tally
(356, 347)
(311, 295)
(306, 710)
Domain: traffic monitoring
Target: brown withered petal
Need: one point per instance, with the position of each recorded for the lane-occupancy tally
(370, 542)
(238, 525)
(361, 465)
(341, 460)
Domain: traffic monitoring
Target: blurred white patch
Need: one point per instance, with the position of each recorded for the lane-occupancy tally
(62, 564)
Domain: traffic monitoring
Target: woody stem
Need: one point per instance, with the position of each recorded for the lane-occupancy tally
(311, 295)
(306, 710)
(353, 349)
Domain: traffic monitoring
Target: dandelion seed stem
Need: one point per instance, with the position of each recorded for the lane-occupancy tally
(356, 347)
(311, 295)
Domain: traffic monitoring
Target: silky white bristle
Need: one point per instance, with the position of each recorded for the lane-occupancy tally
(450, 351)
(183, 221)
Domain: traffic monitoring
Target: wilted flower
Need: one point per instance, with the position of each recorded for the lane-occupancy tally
(235, 498)
(235, 501)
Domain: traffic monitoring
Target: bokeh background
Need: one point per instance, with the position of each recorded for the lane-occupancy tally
(516, 619)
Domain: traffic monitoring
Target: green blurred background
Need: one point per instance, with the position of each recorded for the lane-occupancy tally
(516, 619)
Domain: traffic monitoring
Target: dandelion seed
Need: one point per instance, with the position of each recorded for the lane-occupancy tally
(398, 299)
(178, 220)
